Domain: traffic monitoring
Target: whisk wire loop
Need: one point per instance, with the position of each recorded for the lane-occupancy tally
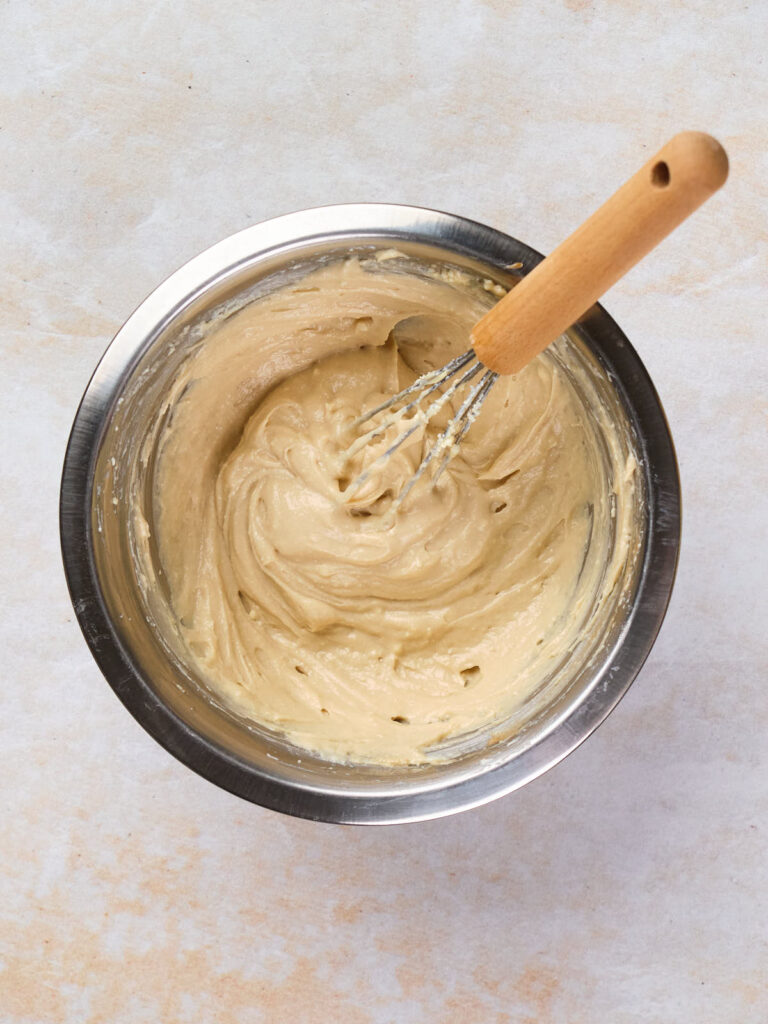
(426, 380)
(451, 436)
(449, 439)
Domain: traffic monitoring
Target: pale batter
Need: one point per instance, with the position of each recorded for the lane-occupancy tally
(358, 634)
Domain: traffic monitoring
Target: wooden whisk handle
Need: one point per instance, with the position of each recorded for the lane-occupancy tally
(633, 221)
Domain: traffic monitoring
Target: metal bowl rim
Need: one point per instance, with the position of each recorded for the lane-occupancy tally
(293, 231)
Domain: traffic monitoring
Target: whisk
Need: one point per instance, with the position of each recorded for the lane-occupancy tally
(560, 289)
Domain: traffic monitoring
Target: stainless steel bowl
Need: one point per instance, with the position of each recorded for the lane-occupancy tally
(128, 638)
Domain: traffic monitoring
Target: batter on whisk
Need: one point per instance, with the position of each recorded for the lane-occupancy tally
(359, 634)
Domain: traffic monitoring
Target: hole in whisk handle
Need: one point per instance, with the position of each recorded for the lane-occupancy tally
(660, 176)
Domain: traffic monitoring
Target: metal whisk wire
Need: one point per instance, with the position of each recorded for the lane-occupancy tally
(447, 442)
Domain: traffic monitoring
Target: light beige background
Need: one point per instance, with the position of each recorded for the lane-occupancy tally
(631, 883)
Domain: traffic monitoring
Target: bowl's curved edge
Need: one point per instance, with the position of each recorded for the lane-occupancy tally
(216, 764)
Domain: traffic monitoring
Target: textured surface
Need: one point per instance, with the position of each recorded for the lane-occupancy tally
(630, 883)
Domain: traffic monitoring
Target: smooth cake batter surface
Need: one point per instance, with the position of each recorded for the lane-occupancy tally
(359, 634)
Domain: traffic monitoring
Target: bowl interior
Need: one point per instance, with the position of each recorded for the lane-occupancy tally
(136, 600)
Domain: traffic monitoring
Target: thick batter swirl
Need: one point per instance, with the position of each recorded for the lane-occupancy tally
(360, 634)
